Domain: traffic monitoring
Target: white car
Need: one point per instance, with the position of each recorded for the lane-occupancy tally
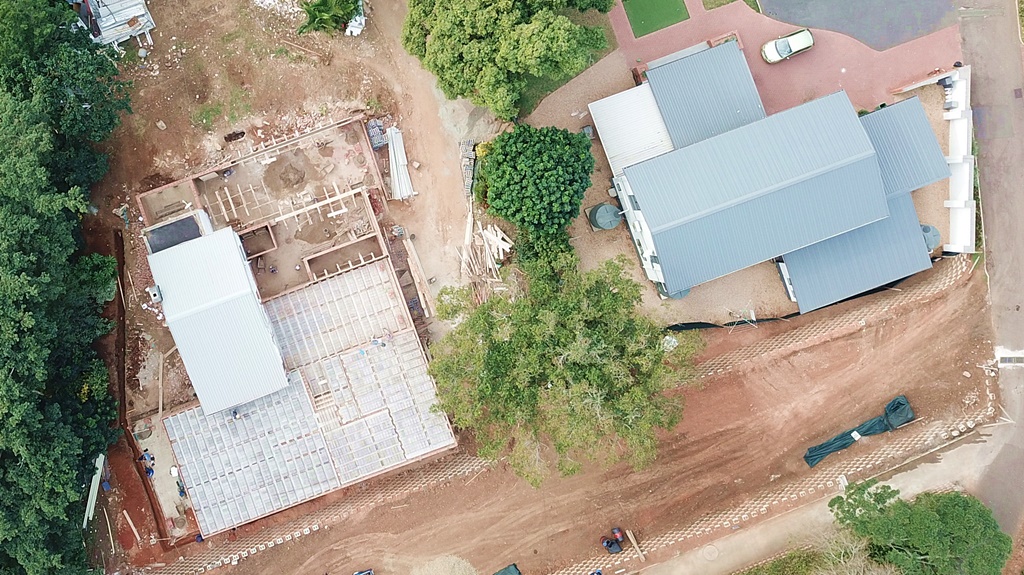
(787, 46)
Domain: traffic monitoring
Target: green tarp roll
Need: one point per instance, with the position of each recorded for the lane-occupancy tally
(897, 413)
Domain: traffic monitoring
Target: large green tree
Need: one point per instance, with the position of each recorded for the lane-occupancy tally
(536, 179)
(564, 371)
(46, 58)
(485, 50)
(58, 96)
(935, 534)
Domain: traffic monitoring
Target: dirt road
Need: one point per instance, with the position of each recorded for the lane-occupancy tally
(992, 46)
(741, 432)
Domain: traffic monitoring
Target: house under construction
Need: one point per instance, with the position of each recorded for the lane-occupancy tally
(285, 306)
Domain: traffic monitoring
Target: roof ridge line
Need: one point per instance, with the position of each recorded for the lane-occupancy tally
(209, 305)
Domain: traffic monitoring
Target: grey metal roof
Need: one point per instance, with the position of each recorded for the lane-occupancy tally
(677, 55)
(706, 94)
(760, 191)
(908, 153)
(860, 260)
(888, 250)
(214, 314)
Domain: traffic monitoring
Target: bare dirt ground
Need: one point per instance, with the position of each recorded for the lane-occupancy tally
(225, 66)
(742, 432)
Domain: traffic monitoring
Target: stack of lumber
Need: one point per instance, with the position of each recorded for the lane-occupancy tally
(497, 243)
(482, 254)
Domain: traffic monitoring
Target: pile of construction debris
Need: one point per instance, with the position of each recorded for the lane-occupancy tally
(484, 252)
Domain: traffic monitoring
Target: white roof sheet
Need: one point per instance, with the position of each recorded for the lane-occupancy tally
(401, 182)
(214, 314)
(631, 127)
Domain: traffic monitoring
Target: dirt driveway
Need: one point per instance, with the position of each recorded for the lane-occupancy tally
(742, 433)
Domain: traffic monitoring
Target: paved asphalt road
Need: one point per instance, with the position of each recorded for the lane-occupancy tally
(992, 47)
(880, 24)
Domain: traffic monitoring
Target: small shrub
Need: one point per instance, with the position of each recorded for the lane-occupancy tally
(327, 15)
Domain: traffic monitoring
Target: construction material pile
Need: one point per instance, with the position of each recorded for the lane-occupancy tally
(485, 250)
(401, 182)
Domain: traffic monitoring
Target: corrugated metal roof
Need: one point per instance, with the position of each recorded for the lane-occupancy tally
(706, 94)
(760, 191)
(401, 182)
(908, 153)
(631, 128)
(860, 260)
(214, 314)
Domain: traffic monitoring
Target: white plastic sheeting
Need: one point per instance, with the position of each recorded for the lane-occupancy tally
(401, 182)
(357, 404)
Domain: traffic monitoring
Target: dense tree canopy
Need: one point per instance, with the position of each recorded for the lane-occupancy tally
(935, 534)
(536, 178)
(58, 94)
(567, 366)
(44, 58)
(485, 50)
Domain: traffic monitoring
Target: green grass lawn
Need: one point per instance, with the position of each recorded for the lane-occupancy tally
(646, 16)
(538, 88)
(711, 4)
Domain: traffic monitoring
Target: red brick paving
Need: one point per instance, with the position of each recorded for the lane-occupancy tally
(837, 62)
